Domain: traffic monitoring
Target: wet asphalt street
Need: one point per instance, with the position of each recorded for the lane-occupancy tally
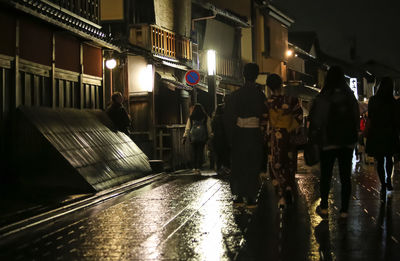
(191, 217)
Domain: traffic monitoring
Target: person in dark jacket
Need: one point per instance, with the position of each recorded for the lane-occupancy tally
(118, 114)
(334, 124)
(219, 142)
(382, 138)
(244, 112)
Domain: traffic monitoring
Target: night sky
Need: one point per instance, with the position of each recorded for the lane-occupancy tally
(373, 24)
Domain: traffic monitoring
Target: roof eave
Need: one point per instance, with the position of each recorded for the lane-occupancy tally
(235, 19)
(278, 15)
(67, 27)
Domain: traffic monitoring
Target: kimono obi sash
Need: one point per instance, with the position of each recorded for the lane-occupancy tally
(278, 119)
(251, 122)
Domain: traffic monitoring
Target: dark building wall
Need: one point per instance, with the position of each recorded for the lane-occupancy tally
(67, 52)
(35, 41)
(92, 60)
(29, 76)
(34, 85)
(183, 16)
(7, 28)
(175, 15)
(167, 106)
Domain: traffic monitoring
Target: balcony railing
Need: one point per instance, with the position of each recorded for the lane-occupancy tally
(226, 67)
(161, 41)
(88, 9)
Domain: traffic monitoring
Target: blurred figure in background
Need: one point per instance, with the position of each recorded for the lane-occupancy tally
(383, 133)
(219, 142)
(118, 114)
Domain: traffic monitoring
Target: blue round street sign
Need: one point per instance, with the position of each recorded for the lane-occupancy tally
(192, 77)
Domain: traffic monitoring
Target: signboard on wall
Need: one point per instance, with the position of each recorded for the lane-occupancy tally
(141, 75)
(111, 10)
(353, 86)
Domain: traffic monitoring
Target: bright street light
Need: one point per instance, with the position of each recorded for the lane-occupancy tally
(289, 53)
(111, 63)
(211, 63)
(146, 77)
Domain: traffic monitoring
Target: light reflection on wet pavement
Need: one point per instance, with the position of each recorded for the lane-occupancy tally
(191, 217)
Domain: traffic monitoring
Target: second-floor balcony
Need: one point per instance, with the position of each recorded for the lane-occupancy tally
(161, 42)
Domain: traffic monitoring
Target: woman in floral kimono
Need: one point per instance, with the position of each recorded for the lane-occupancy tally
(284, 117)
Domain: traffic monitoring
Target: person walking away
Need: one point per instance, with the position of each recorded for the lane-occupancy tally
(118, 114)
(361, 137)
(382, 138)
(285, 116)
(334, 124)
(219, 142)
(244, 112)
(198, 131)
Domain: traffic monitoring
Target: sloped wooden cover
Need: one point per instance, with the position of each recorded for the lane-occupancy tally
(85, 146)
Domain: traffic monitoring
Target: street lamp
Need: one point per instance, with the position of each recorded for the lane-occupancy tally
(212, 79)
(146, 78)
(211, 64)
(289, 53)
(111, 64)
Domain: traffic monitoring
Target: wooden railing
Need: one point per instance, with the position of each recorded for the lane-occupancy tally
(88, 9)
(161, 41)
(226, 67)
(169, 147)
(184, 48)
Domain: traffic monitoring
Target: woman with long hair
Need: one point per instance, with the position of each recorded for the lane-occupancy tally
(198, 131)
(334, 124)
(382, 138)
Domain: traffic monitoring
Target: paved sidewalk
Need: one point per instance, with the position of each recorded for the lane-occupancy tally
(371, 231)
(191, 217)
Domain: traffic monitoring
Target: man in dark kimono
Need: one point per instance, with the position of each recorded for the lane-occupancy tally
(118, 114)
(245, 109)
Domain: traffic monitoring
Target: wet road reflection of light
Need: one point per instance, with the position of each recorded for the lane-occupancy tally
(195, 229)
(211, 246)
(354, 163)
(319, 238)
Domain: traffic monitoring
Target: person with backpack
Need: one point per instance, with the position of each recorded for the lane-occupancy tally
(244, 117)
(334, 124)
(382, 137)
(198, 131)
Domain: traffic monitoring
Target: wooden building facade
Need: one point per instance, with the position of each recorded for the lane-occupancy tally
(51, 55)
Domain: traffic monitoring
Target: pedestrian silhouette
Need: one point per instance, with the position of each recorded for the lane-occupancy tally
(284, 117)
(219, 144)
(198, 131)
(382, 138)
(118, 114)
(243, 118)
(334, 124)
